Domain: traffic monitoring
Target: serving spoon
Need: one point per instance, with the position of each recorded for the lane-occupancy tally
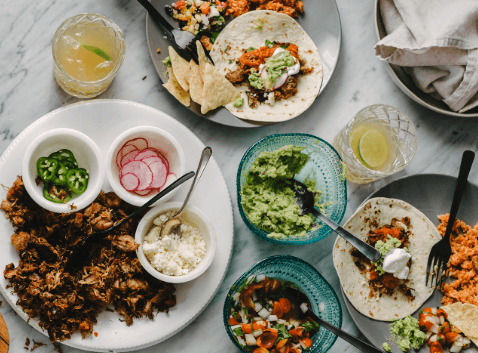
(78, 255)
(172, 224)
(305, 200)
(300, 303)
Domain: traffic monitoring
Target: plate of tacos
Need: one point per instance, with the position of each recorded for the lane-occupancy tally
(305, 29)
(409, 216)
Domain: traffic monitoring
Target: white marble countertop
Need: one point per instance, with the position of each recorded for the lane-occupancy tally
(28, 91)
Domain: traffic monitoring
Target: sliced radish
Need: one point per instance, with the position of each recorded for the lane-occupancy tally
(144, 192)
(279, 82)
(171, 177)
(140, 143)
(148, 152)
(149, 160)
(123, 150)
(141, 170)
(128, 157)
(160, 174)
(129, 181)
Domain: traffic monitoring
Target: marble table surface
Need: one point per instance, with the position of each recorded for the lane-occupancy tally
(28, 91)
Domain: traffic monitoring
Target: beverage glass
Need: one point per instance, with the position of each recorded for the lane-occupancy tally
(395, 130)
(88, 50)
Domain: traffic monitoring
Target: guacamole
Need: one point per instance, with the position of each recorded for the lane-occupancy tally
(267, 198)
(407, 333)
(386, 347)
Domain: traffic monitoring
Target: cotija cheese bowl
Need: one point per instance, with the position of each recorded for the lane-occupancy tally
(165, 251)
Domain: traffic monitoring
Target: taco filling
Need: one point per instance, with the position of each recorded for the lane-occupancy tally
(271, 72)
(390, 273)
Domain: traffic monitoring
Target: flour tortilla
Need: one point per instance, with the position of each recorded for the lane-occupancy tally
(252, 30)
(465, 318)
(424, 235)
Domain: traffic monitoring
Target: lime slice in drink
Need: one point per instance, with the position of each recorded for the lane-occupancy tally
(355, 136)
(373, 149)
(97, 51)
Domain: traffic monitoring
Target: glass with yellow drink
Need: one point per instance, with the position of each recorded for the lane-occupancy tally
(88, 50)
(379, 141)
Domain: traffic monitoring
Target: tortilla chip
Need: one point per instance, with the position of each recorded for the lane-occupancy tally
(180, 68)
(218, 91)
(202, 58)
(196, 84)
(463, 316)
(176, 90)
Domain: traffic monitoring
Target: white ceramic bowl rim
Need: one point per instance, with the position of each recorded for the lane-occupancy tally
(95, 182)
(203, 265)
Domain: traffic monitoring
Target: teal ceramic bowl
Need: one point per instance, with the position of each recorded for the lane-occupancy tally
(310, 282)
(324, 165)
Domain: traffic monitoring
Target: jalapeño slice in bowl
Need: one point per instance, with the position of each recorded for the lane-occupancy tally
(50, 195)
(60, 176)
(64, 155)
(77, 180)
(47, 168)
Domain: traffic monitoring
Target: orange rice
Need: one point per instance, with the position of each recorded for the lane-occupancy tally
(463, 263)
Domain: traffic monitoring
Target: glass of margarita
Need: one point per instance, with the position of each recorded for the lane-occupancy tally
(88, 50)
(379, 141)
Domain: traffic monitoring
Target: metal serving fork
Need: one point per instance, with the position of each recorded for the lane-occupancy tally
(441, 251)
(184, 39)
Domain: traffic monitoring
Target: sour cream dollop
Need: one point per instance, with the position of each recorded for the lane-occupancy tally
(396, 262)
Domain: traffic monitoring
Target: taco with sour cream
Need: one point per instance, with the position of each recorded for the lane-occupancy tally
(273, 62)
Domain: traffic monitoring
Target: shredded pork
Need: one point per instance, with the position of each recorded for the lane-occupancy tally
(112, 276)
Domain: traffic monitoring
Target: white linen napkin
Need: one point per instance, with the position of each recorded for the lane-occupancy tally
(436, 41)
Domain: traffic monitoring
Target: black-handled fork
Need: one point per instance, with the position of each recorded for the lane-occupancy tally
(441, 251)
(184, 39)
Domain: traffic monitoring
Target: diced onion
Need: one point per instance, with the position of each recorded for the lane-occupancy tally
(321, 307)
(442, 319)
(235, 326)
(250, 339)
(434, 328)
(466, 342)
(459, 341)
(434, 310)
(257, 307)
(240, 340)
(302, 345)
(254, 295)
(260, 278)
(280, 321)
(455, 348)
(236, 296)
(433, 338)
(263, 313)
(257, 318)
(303, 307)
(428, 334)
(273, 318)
(257, 333)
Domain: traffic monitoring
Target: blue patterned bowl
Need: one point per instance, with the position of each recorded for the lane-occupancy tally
(309, 281)
(324, 165)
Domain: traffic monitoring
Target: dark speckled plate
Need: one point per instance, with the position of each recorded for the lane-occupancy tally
(432, 194)
(320, 20)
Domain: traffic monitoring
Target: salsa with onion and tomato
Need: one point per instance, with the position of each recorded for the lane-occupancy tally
(262, 320)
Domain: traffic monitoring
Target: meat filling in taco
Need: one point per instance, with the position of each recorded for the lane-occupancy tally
(271, 72)
(387, 239)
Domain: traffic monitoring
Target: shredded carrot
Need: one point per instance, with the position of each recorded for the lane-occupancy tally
(463, 263)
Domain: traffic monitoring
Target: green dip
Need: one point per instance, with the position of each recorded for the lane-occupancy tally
(239, 102)
(384, 248)
(267, 198)
(386, 347)
(255, 79)
(407, 333)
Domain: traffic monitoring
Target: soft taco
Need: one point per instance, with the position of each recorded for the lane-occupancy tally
(273, 62)
(373, 292)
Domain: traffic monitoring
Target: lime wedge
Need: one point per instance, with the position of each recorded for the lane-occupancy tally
(373, 149)
(97, 51)
(355, 136)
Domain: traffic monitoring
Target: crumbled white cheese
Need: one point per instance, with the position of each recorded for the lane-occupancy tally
(271, 98)
(174, 255)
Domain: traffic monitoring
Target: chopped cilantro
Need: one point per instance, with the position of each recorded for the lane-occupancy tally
(230, 61)
(269, 43)
(236, 315)
(310, 326)
(250, 49)
(283, 47)
(225, 50)
(238, 331)
(167, 61)
(282, 331)
(214, 35)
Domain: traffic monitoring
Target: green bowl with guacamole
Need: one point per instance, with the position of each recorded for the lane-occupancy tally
(267, 203)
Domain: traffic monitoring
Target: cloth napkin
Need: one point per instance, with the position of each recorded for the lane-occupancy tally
(436, 42)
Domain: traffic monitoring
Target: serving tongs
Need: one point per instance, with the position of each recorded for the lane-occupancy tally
(78, 255)
(185, 40)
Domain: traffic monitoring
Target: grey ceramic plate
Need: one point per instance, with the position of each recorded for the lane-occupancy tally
(405, 82)
(431, 194)
(320, 20)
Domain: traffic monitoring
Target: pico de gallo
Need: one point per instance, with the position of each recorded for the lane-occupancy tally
(439, 332)
(262, 318)
(202, 18)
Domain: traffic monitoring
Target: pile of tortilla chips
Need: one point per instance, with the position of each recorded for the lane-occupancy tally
(202, 83)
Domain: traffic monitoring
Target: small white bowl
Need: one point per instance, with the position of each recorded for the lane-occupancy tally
(192, 215)
(87, 154)
(157, 138)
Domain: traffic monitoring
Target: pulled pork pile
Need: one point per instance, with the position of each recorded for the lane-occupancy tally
(112, 276)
